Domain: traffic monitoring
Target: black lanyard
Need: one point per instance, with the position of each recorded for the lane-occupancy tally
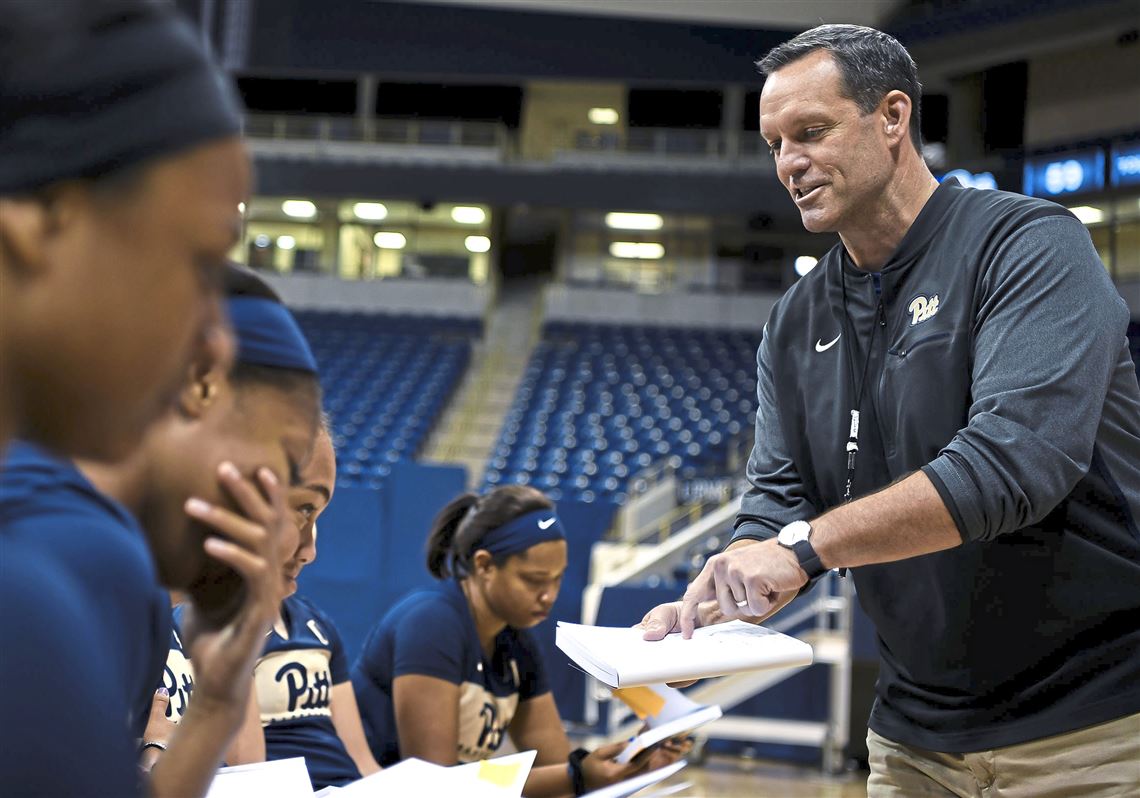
(852, 447)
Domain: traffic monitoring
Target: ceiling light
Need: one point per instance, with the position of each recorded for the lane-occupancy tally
(370, 211)
(646, 250)
(1087, 214)
(477, 243)
(634, 221)
(390, 240)
(603, 116)
(261, 241)
(804, 264)
(286, 242)
(466, 214)
(299, 209)
(241, 207)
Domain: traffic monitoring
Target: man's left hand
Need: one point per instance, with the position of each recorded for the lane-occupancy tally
(750, 581)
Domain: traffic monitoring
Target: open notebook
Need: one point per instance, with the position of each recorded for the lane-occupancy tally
(666, 712)
(619, 657)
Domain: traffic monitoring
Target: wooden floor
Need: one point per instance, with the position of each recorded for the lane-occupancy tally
(732, 777)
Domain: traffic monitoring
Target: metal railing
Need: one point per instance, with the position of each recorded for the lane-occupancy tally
(658, 144)
(667, 143)
(350, 129)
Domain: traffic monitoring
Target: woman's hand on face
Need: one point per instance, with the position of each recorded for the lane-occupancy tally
(249, 543)
(159, 729)
(600, 769)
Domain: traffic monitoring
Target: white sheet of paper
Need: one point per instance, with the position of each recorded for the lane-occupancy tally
(281, 778)
(414, 777)
(619, 657)
(663, 731)
(507, 774)
(623, 789)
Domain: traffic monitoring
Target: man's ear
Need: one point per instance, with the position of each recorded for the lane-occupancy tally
(202, 389)
(896, 110)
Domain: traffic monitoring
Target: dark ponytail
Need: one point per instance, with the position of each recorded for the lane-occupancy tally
(443, 530)
(461, 525)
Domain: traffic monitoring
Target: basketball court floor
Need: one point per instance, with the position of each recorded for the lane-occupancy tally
(733, 777)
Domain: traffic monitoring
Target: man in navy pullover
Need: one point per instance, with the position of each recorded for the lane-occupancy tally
(946, 407)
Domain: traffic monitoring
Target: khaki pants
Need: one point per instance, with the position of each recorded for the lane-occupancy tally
(1101, 761)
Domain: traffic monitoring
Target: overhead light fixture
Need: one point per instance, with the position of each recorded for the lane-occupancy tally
(468, 214)
(370, 211)
(644, 250)
(390, 240)
(286, 242)
(1087, 214)
(261, 241)
(477, 243)
(603, 116)
(299, 209)
(241, 208)
(804, 264)
(634, 221)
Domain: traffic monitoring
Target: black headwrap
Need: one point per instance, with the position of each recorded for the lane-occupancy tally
(84, 99)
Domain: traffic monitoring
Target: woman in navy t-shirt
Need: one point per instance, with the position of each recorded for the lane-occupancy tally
(451, 669)
(303, 703)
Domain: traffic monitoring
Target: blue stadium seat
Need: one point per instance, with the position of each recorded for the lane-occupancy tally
(599, 402)
(386, 378)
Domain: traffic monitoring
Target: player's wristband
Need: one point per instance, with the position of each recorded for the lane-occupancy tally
(574, 766)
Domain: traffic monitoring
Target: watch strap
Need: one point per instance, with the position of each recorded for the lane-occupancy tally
(808, 559)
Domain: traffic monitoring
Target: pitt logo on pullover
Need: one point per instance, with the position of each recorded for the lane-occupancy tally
(921, 309)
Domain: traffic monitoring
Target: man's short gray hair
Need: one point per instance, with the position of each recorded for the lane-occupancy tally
(871, 64)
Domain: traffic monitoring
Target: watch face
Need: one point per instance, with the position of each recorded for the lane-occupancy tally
(794, 532)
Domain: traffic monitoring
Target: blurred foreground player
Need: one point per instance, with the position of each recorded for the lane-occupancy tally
(228, 429)
(120, 174)
(120, 177)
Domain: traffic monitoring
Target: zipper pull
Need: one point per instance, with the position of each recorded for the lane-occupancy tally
(882, 314)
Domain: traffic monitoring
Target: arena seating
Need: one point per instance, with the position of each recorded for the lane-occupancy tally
(385, 378)
(598, 403)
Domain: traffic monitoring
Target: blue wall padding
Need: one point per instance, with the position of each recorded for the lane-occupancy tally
(344, 581)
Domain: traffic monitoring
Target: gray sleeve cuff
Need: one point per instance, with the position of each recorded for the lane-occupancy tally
(960, 495)
(751, 530)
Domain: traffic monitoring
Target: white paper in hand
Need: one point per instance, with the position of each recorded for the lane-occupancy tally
(281, 778)
(623, 789)
(619, 657)
(667, 713)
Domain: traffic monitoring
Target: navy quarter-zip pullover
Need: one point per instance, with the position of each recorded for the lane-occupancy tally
(997, 363)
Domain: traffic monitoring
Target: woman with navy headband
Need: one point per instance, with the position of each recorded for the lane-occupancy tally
(302, 702)
(451, 669)
(207, 491)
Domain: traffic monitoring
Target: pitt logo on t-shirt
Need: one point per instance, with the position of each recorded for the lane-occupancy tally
(921, 309)
(178, 679)
(293, 684)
